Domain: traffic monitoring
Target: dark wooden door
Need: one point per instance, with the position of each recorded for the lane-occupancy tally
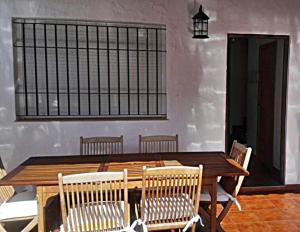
(266, 86)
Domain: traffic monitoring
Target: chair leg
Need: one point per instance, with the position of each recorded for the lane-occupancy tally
(2, 228)
(219, 228)
(30, 225)
(224, 211)
(204, 213)
(136, 202)
(193, 228)
(222, 215)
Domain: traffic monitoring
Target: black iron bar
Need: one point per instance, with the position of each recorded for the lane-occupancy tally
(143, 96)
(98, 70)
(118, 64)
(147, 69)
(67, 66)
(96, 24)
(25, 71)
(62, 92)
(57, 71)
(138, 69)
(46, 69)
(101, 49)
(156, 53)
(128, 72)
(88, 67)
(35, 72)
(90, 117)
(108, 68)
(78, 76)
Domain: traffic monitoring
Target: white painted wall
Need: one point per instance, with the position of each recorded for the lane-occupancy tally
(196, 74)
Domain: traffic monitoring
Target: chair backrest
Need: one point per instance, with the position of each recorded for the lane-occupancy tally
(101, 145)
(94, 201)
(170, 196)
(158, 143)
(6, 192)
(241, 154)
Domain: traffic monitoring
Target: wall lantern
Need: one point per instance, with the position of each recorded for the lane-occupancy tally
(200, 21)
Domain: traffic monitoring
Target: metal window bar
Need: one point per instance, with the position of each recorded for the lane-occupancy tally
(88, 67)
(78, 78)
(57, 71)
(147, 71)
(67, 66)
(35, 71)
(157, 73)
(108, 69)
(98, 71)
(100, 49)
(118, 65)
(25, 70)
(138, 70)
(74, 88)
(128, 71)
(46, 69)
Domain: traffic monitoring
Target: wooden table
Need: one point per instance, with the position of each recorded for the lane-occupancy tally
(42, 172)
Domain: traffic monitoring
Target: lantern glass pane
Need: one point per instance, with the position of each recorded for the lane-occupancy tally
(205, 26)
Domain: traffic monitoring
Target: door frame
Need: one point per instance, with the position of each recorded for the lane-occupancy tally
(286, 39)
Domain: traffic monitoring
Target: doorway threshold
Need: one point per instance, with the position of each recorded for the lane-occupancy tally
(295, 188)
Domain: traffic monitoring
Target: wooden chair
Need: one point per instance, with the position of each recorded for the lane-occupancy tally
(95, 201)
(170, 197)
(158, 143)
(101, 145)
(228, 187)
(16, 207)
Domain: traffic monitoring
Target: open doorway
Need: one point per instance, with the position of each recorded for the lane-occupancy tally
(256, 103)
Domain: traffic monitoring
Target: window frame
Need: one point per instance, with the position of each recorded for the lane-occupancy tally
(89, 24)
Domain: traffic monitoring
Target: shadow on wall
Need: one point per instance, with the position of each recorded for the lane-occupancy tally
(192, 9)
(6, 134)
(17, 141)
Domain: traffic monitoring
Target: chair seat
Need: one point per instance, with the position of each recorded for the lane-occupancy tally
(20, 206)
(181, 206)
(222, 195)
(111, 213)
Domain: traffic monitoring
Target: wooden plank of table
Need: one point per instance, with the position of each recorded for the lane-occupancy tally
(44, 170)
(134, 168)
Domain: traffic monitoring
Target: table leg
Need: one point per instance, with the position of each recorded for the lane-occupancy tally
(213, 210)
(41, 208)
(43, 194)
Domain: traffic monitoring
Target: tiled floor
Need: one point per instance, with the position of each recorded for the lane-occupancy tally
(265, 213)
(261, 213)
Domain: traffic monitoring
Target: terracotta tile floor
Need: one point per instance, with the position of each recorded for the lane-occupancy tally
(265, 213)
(260, 213)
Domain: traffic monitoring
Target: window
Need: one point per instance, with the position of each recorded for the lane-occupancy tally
(86, 69)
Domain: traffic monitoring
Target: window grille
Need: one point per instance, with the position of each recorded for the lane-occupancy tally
(87, 69)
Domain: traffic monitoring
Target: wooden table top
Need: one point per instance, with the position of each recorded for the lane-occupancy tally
(43, 170)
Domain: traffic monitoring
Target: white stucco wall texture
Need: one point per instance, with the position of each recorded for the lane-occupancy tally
(196, 74)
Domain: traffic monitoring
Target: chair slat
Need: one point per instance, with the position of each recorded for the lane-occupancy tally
(6, 193)
(101, 145)
(169, 196)
(158, 143)
(99, 205)
(229, 185)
